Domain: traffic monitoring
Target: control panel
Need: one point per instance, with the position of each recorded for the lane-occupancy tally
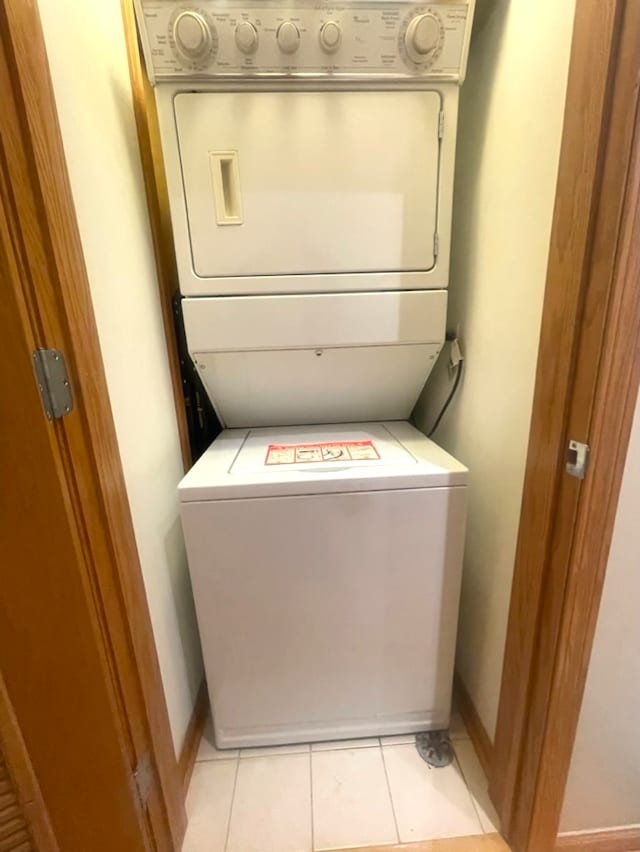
(359, 38)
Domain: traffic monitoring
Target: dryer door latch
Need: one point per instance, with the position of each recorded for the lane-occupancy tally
(577, 459)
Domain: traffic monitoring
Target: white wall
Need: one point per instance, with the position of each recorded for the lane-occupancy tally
(511, 114)
(603, 789)
(87, 55)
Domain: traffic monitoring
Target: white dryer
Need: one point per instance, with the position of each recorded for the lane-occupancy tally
(309, 151)
(325, 563)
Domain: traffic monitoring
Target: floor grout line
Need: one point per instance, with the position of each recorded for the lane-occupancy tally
(233, 798)
(393, 807)
(313, 837)
(468, 789)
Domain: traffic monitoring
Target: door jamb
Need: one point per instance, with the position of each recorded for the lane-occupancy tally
(157, 196)
(587, 379)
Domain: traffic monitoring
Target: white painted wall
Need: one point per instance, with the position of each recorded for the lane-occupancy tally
(87, 55)
(511, 114)
(603, 789)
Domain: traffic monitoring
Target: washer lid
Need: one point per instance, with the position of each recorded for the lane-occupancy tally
(303, 448)
(319, 459)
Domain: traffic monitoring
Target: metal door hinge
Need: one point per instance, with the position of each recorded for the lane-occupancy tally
(441, 124)
(53, 382)
(577, 460)
(436, 245)
(143, 776)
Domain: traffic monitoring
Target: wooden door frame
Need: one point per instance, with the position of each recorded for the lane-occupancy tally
(157, 196)
(58, 313)
(586, 387)
(579, 336)
(589, 314)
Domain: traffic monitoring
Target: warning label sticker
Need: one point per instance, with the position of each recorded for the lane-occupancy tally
(331, 451)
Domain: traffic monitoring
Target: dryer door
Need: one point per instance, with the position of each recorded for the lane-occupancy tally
(297, 183)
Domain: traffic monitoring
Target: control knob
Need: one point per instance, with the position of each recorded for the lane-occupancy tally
(422, 37)
(330, 36)
(246, 37)
(288, 37)
(192, 35)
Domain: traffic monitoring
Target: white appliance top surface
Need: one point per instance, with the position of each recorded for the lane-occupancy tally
(301, 448)
(296, 460)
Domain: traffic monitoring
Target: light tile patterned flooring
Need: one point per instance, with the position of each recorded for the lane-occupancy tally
(333, 796)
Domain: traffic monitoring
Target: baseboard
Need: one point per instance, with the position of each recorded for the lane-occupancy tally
(473, 723)
(616, 840)
(198, 720)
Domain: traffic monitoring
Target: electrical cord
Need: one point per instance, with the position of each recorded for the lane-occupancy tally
(452, 393)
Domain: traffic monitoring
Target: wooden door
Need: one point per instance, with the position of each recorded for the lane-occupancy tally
(52, 656)
(76, 651)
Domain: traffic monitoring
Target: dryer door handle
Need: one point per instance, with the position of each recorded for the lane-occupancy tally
(225, 175)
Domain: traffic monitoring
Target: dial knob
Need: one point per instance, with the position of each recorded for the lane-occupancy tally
(288, 37)
(246, 37)
(192, 35)
(330, 36)
(422, 37)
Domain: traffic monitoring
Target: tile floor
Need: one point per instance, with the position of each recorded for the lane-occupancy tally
(333, 796)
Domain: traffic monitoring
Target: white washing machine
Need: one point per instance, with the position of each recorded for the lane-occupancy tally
(309, 152)
(325, 563)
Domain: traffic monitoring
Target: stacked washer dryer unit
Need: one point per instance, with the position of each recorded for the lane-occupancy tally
(309, 153)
